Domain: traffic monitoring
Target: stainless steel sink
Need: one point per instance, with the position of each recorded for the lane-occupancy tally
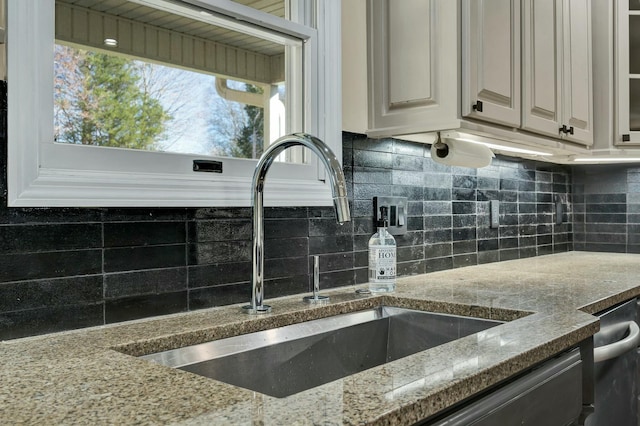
(287, 360)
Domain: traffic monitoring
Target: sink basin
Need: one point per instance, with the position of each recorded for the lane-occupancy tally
(287, 360)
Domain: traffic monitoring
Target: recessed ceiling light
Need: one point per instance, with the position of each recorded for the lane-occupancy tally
(111, 42)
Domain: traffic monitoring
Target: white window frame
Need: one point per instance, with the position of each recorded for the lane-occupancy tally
(44, 174)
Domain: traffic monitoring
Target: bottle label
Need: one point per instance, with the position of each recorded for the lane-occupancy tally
(382, 263)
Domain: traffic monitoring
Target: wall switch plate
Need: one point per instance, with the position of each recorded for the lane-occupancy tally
(494, 213)
(397, 211)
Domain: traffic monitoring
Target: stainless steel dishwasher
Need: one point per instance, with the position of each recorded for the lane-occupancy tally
(616, 367)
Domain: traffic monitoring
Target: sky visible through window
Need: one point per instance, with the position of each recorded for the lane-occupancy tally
(107, 100)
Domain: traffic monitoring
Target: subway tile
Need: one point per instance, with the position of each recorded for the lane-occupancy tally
(334, 279)
(408, 148)
(372, 159)
(328, 227)
(138, 258)
(437, 208)
(218, 274)
(465, 260)
(402, 177)
(126, 234)
(34, 294)
(220, 295)
(508, 243)
(464, 181)
(460, 247)
(437, 180)
(437, 194)
(294, 212)
(369, 144)
(487, 195)
(48, 216)
(438, 236)
(135, 214)
(330, 244)
(31, 322)
(33, 266)
(460, 234)
(198, 254)
(606, 208)
(53, 237)
(464, 194)
(509, 254)
(219, 230)
(605, 218)
(438, 250)
(412, 268)
(410, 253)
(463, 207)
(488, 245)
(605, 198)
(439, 264)
(408, 162)
(367, 191)
(220, 213)
(413, 193)
(130, 308)
(364, 175)
(488, 257)
(411, 238)
(290, 228)
(528, 252)
(464, 221)
(285, 247)
(333, 262)
(138, 283)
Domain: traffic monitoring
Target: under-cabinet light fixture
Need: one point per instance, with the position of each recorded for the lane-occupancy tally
(484, 141)
(606, 159)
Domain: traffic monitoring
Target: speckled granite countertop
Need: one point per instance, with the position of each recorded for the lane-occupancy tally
(90, 376)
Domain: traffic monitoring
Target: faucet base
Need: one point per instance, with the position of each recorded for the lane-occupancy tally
(253, 310)
(316, 300)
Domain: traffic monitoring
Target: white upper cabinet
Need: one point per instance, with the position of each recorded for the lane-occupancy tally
(413, 77)
(557, 80)
(627, 52)
(491, 61)
(518, 71)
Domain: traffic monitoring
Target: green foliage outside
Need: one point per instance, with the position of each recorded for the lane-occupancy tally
(102, 100)
(249, 143)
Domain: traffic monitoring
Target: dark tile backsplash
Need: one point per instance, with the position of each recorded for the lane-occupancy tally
(65, 268)
(607, 208)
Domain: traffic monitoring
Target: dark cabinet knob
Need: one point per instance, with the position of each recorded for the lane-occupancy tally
(477, 106)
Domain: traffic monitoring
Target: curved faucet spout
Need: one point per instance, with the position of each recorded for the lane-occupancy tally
(340, 201)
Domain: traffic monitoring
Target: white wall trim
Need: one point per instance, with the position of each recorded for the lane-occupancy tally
(43, 174)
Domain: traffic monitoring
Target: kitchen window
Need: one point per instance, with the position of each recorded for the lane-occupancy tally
(112, 101)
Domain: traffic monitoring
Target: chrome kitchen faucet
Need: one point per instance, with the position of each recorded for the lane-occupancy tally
(340, 202)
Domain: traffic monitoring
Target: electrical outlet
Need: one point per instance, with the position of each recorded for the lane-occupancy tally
(397, 212)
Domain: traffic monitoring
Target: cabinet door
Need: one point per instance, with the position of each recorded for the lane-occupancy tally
(627, 52)
(491, 60)
(541, 77)
(413, 66)
(577, 81)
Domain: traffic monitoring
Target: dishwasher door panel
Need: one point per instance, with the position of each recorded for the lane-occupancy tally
(616, 380)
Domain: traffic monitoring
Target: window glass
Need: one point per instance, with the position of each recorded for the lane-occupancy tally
(274, 7)
(133, 76)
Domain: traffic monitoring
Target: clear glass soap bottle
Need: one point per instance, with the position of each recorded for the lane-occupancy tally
(382, 257)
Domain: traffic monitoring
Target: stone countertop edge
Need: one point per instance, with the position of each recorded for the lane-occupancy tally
(92, 376)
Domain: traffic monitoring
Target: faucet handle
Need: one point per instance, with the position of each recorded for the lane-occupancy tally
(316, 298)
